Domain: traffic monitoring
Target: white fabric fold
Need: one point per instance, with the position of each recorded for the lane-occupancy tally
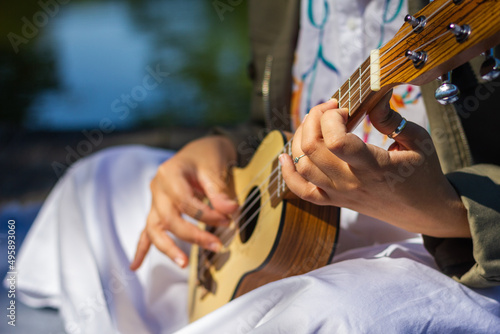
(76, 258)
(377, 295)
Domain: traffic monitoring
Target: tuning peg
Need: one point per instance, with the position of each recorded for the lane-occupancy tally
(417, 23)
(447, 93)
(418, 57)
(461, 32)
(490, 68)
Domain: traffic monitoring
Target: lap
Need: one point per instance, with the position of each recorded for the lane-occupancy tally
(76, 257)
(377, 295)
(77, 253)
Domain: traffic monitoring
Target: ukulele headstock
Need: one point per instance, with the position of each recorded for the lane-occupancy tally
(440, 37)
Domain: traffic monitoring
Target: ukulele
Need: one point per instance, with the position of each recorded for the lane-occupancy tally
(277, 235)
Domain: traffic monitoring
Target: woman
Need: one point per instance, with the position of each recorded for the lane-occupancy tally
(382, 279)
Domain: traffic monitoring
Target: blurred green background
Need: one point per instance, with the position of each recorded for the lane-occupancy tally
(63, 63)
(153, 72)
(78, 76)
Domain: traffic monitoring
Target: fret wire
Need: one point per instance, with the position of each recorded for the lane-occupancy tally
(363, 91)
(349, 95)
(279, 180)
(360, 83)
(340, 96)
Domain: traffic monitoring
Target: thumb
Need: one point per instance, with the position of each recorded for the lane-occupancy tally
(386, 121)
(216, 188)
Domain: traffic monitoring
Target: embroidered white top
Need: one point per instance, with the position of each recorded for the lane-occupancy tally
(335, 37)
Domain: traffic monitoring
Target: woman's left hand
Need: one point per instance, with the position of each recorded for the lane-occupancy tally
(403, 185)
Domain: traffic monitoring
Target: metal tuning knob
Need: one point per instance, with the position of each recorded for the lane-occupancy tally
(447, 93)
(490, 68)
(417, 23)
(418, 57)
(461, 32)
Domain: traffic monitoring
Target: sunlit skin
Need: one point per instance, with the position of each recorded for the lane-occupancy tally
(196, 171)
(403, 185)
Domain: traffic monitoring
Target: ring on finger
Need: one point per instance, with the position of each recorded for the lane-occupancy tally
(198, 214)
(398, 130)
(295, 160)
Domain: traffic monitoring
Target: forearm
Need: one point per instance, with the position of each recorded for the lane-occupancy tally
(474, 262)
(439, 213)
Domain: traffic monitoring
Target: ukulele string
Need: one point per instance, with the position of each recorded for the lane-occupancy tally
(418, 26)
(252, 196)
(228, 234)
(401, 40)
(390, 64)
(205, 253)
(368, 68)
(260, 173)
(362, 92)
(232, 232)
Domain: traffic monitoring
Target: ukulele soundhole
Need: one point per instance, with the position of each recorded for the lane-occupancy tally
(250, 214)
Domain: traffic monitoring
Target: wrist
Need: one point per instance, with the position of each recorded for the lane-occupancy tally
(226, 146)
(444, 216)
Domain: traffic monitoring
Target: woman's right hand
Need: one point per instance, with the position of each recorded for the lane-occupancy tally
(198, 171)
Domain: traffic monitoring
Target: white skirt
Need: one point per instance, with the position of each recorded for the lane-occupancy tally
(77, 254)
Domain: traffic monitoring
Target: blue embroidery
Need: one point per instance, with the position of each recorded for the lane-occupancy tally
(385, 20)
(319, 56)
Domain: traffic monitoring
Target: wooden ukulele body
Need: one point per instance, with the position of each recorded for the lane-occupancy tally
(286, 237)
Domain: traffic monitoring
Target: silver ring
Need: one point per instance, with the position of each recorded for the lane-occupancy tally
(298, 158)
(398, 130)
(198, 214)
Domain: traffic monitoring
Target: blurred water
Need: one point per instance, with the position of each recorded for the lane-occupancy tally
(95, 66)
(93, 61)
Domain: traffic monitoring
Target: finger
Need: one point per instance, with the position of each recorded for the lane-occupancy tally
(386, 120)
(320, 167)
(306, 165)
(142, 249)
(300, 186)
(193, 234)
(310, 129)
(161, 240)
(201, 211)
(322, 107)
(346, 146)
(324, 133)
(215, 186)
(182, 195)
(170, 219)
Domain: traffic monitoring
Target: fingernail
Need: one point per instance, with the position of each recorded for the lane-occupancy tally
(181, 262)
(227, 199)
(232, 202)
(214, 247)
(281, 157)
